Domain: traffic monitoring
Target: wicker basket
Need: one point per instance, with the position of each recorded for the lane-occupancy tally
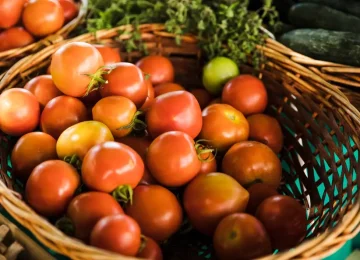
(320, 160)
(9, 57)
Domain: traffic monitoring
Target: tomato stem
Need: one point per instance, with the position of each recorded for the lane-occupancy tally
(143, 243)
(66, 226)
(135, 124)
(97, 78)
(204, 149)
(123, 194)
(74, 160)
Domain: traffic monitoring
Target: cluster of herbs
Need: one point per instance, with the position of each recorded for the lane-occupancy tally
(223, 27)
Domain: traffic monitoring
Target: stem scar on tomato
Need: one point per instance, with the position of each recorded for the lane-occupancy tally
(204, 149)
(123, 194)
(135, 124)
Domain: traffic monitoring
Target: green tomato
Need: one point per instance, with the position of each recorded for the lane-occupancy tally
(217, 73)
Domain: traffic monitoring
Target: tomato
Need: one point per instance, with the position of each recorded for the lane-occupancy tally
(174, 111)
(258, 193)
(70, 64)
(116, 112)
(29, 151)
(223, 126)
(210, 197)
(70, 9)
(51, 187)
(81, 137)
(217, 72)
(267, 130)
(150, 96)
(43, 17)
(118, 233)
(126, 80)
(284, 219)
(166, 88)
(151, 251)
(19, 112)
(202, 96)
(240, 236)
(109, 165)
(86, 209)
(172, 159)
(209, 164)
(252, 162)
(61, 113)
(157, 211)
(10, 11)
(43, 88)
(14, 37)
(109, 55)
(158, 67)
(246, 93)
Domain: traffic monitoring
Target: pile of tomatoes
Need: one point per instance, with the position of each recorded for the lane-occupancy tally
(22, 21)
(128, 155)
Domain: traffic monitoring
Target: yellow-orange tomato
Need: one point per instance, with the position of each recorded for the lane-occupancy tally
(10, 11)
(109, 55)
(158, 67)
(43, 17)
(14, 37)
(167, 87)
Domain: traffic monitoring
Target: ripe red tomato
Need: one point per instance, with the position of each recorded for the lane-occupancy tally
(43, 89)
(51, 187)
(258, 193)
(61, 113)
(86, 209)
(115, 112)
(80, 138)
(174, 111)
(151, 251)
(109, 55)
(159, 68)
(223, 126)
(19, 112)
(157, 211)
(209, 164)
(203, 97)
(240, 236)
(127, 80)
(252, 162)
(150, 96)
(70, 64)
(172, 159)
(70, 9)
(43, 17)
(246, 93)
(31, 150)
(117, 233)
(210, 197)
(166, 88)
(10, 11)
(14, 37)
(109, 165)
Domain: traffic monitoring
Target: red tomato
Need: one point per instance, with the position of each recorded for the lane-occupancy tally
(172, 159)
(157, 211)
(19, 112)
(151, 251)
(150, 96)
(70, 9)
(246, 93)
(210, 197)
(240, 236)
(203, 97)
(159, 68)
(126, 80)
(109, 55)
(118, 233)
(10, 11)
(209, 164)
(43, 17)
(109, 165)
(70, 64)
(174, 111)
(43, 88)
(86, 209)
(61, 113)
(223, 126)
(14, 37)
(115, 112)
(166, 88)
(31, 150)
(51, 187)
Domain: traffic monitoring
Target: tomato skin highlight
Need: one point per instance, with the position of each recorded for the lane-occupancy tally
(109, 165)
(118, 233)
(157, 211)
(158, 67)
(86, 209)
(10, 11)
(151, 250)
(19, 112)
(174, 111)
(109, 55)
(51, 186)
(15, 37)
